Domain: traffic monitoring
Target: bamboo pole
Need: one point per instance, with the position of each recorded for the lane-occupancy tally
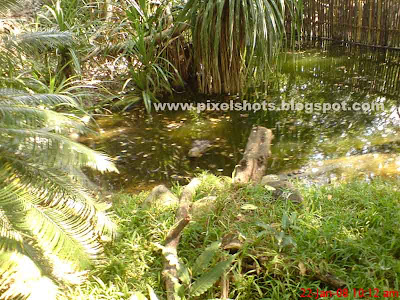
(313, 18)
(393, 78)
(331, 11)
(340, 19)
(321, 17)
(395, 32)
(397, 84)
(359, 19)
(350, 22)
(371, 7)
(385, 26)
(378, 23)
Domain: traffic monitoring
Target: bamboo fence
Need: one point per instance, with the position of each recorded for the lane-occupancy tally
(373, 23)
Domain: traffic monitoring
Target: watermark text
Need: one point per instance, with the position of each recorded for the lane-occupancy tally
(307, 107)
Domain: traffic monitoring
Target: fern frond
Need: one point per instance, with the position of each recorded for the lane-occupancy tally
(57, 230)
(208, 279)
(10, 239)
(205, 258)
(55, 188)
(47, 212)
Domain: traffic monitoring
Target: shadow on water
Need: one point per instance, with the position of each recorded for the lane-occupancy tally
(328, 145)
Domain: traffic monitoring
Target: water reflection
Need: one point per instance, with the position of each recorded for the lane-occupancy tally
(148, 152)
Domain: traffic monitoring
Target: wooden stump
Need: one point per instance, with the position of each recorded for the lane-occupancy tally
(253, 165)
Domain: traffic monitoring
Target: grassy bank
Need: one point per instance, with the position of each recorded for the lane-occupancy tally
(347, 232)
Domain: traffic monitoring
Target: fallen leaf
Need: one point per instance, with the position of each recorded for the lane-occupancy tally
(249, 207)
(269, 188)
(303, 270)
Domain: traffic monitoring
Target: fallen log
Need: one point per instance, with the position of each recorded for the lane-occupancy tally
(253, 165)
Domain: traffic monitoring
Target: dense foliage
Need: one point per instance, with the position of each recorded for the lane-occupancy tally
(51, 224)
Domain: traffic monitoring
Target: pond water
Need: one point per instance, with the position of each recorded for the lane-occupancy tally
(334, 145)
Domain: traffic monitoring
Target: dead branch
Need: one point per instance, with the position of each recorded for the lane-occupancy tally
(330, 280)
(174, 235)
(171, 259)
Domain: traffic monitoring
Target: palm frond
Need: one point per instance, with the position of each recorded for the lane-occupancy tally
(6, 5)
(14, 96)
(10, 238)
(52, 149)
(41, 40)
(16, 116)
(60, 232)
(60, 225)
(21, 278)
(64, 225)
(62, 190)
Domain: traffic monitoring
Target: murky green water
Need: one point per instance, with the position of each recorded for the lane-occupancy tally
(335, 144)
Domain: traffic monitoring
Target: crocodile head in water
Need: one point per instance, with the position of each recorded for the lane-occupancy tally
(199, 147)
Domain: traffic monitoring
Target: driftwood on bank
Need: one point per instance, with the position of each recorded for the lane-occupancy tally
(253, 165)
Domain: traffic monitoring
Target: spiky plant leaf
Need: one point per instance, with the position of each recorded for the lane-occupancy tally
(247, 36)
(63, 233)
(205, 258)
(207, 280)
(19, 116)
(47, 213)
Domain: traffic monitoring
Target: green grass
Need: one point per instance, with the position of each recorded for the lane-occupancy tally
(348, 230)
